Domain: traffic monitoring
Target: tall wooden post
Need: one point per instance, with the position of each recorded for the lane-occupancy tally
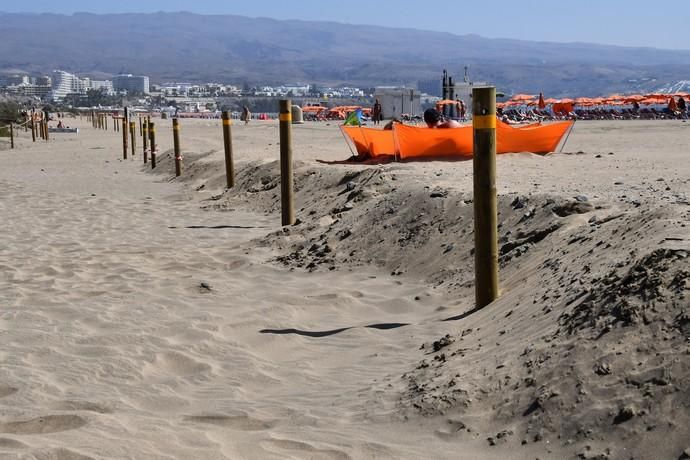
(485, 212)
(11, 135)
(286, 191)
(227, 140)
(141, 127)
(47, 133)
(33, 127)
(145, 140)
(176, 145)
(133, 136)
(105, 122)
(124, 137)
(152, 140)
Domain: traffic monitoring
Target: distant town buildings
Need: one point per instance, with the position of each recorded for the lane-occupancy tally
(24, 85)
(131, 83)
(68, 88)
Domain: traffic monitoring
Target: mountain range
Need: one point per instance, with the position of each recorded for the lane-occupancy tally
(235, 49)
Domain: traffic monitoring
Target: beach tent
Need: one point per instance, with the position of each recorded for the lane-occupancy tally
(410, 143)
(354, 118)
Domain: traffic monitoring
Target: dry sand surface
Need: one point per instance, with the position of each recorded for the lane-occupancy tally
(148, 317)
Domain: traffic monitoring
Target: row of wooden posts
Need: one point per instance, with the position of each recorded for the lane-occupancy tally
(38, 128)
(484, 168)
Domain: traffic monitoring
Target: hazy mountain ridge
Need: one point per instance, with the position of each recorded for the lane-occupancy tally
(190, 47)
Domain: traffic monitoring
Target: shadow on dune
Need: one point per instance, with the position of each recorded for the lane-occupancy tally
(316, 334)
(218, 226)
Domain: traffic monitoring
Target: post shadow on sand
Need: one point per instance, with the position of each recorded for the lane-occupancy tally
(380, 326)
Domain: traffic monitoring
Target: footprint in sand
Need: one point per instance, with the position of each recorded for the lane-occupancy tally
(234, 422)
(82, 405)
(8, 443)
(59, 454)
(6, 390)
(303, 450)
(43, 425)
(174, 363)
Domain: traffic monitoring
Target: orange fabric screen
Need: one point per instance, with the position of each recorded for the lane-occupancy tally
(535, 139)
(415, 143)
(431, 144)
(369, 142)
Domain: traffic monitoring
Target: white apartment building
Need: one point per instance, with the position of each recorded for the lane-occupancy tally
(64, 83)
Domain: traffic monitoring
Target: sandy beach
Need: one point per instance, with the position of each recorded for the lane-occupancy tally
(151, 317)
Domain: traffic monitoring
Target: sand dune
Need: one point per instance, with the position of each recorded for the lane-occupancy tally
(145, 316)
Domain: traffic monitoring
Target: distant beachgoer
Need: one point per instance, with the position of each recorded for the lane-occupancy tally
(376, 112)
(463, 110)
(434, 119)
(60, 125)
(682, 106)
(246, 115)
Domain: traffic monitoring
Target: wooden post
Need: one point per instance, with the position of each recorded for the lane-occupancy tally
(145, 140)
(11, 135)
(176, 145)
(286, 191)
(227, 140)
(47, 138)
(152, 141)
(33, 127)
(141, 127)
(485, 213)
(105, 122)
(133, 135)
(124, 138)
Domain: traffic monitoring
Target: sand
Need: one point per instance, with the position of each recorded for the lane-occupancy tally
(152, 317)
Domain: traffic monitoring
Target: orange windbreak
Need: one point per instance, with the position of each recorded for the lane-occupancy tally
(369, 142)
(535, 139)
(415, 143)
(431, 144)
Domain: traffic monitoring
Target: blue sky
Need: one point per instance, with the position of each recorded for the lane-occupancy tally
(660, 24)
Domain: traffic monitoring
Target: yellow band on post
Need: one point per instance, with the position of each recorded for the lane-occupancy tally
(176, 127)
(285, 117)
(227, 122)
(484, 122)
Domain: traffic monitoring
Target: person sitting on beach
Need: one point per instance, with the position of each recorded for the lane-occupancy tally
(434, 119)
(682, 107)
(60, 125)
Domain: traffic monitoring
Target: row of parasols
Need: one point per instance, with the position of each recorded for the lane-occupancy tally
(613, 100)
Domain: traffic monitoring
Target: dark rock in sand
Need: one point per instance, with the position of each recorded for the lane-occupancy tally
(624, 414)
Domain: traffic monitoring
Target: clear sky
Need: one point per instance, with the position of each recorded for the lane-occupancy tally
(660, 24)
